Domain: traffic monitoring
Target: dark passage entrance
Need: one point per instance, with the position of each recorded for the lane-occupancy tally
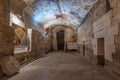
(100, 45)
(60, 40)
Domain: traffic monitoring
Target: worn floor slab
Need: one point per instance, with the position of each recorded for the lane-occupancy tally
(61, 66)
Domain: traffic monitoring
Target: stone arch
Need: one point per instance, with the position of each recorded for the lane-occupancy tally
(54, 31)
(70, 26)
(68, 33)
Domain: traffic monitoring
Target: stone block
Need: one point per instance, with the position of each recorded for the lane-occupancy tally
(10, 65)
(6, 40)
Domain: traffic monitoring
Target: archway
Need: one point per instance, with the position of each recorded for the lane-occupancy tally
(60, 39)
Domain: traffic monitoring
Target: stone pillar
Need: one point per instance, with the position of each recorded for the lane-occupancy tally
(8, 63)
(6, 40)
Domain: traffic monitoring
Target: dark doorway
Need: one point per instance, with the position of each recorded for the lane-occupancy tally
(100, 47)
(83, 48)
(60, 40)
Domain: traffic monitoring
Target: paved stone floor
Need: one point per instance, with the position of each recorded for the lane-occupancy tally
(61, 66)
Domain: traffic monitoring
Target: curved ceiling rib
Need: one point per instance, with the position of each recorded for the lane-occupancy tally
(48, 12)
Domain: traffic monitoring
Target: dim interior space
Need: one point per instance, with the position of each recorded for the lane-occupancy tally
(59, 39)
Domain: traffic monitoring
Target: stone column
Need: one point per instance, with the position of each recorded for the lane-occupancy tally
(8, 63)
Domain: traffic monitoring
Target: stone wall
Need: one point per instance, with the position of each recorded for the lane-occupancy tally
(15, 9)
(98, 22)
(68, 37)
(6, 40)
(37, 44)
(99, 9)
(103, 29)
(5, 11)
(6, 32)
(116, 21)
(36, 47)
(102, 23)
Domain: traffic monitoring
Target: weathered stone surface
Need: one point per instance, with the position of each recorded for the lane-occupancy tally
(113, 3)
(10, 65)
(5, 11)
(99, 9)
(103, 24)
(69, 35)
(103, 29)
(37, 43)
(6, 40)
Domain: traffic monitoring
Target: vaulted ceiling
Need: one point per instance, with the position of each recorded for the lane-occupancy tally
(47, 12)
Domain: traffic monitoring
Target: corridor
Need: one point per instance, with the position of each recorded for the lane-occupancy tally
(62, 66)
(33, 34)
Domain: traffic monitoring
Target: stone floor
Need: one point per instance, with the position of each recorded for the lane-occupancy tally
(61, 66)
